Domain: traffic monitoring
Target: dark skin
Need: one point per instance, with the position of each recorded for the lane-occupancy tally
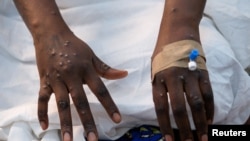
(65, 63)
(180, 21)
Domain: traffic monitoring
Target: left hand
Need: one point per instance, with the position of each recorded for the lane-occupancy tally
(178, 83)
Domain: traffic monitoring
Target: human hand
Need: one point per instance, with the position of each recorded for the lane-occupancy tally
(65, 63)
(180, 22)
(178, 83)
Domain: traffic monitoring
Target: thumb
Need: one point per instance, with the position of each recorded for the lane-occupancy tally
(106, 71)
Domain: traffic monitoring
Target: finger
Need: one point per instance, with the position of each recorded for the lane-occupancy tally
(196, 103)
(82, 106)
(63, 106)
(177, 100)
(207, 94)
(98, 88)
(43, 99)
(160, 98)
(106, 71)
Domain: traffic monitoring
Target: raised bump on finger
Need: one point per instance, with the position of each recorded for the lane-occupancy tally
(81, 103)
(99, 89)
(43, 99)
(178, 104)
(196, 103)
(63, 106)
(207, 94)
(160, 99)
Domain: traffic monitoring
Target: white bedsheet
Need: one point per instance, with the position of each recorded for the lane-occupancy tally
(123, 34)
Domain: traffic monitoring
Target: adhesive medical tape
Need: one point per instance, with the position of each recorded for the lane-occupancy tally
(177, 55)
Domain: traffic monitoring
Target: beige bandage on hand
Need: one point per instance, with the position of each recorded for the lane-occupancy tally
(177, 55)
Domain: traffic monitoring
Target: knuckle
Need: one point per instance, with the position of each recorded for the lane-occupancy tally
(102, 92)
(197, 104)
(89, 126)
(63, 104)
(41, 114)
(66, 125)
(208, 96)
(158, 100)
(160, 108)
(179, 110)
(104, 67)
(43, 97)
(82, 105)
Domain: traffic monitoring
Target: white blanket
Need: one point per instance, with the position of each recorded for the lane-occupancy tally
(123, 33)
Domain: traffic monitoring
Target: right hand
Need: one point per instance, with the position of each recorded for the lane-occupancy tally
(65, 63)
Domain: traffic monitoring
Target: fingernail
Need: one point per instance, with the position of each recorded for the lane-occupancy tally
(204, 137)
(116, 117)
(168, 138)
(66, 137)
(92, 136)
(43, 125)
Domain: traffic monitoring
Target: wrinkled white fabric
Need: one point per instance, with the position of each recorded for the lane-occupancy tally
(123, 34)
(232, 19)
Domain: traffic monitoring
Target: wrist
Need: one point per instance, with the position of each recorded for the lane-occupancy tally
(175, 33)
(42, 17)
(180, 21)
(47, 26)
(179, 54)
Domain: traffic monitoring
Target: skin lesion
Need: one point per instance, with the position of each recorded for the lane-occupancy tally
(62, 105)
(60, 55)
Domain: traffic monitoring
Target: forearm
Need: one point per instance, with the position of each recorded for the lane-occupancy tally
(180, 21)
(42, 17)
